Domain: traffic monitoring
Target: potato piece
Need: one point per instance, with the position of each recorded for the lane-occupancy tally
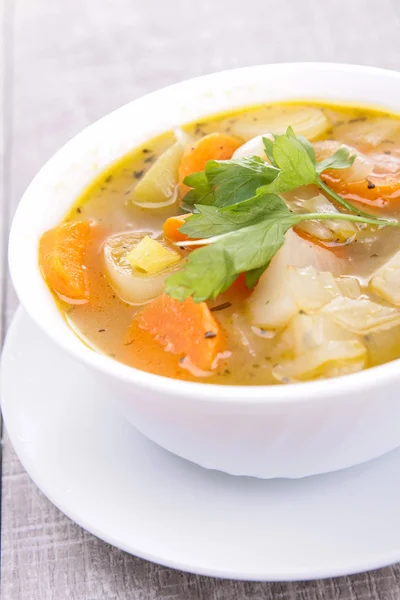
(308, 121)
(386, 281)
(159, 186)
(151, 256)
(361, 316)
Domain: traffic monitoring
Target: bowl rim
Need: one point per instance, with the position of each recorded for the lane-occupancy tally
(373, 377)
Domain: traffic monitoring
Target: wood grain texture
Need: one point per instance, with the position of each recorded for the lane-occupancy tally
(65, 64)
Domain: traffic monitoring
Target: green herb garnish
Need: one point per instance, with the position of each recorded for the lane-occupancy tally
(226, 182)
(242, 221)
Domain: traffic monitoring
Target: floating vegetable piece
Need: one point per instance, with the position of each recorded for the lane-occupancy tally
(158, 187)
(362, 316)
(214, 146)
(282, 291)
(131, 284)
(328, 230)
(317, 347)
(62, 253)
(386, 281)
(151, 256)
(310, 288)
(184, 328)
(308, 121)
(365, 181)
(367, 134)
(171, 228)
(361, 168)
(254, 147)
(349, 286)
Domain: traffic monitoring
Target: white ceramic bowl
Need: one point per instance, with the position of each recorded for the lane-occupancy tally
(265, 431)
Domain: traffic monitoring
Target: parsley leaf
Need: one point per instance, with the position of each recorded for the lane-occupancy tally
(295, 157)
(210, 270)
(240, 247)
(211, 221)
(340, 160)
(294, 160)
(202, 191)
(268, 146)
(241, 218)
(226, 182)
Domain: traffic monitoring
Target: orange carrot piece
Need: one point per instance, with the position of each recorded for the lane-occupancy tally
(378, 190)
(171, 228)
(239, 286)
(147, 354)
(183, 328)
(214, 146)
(62, 252)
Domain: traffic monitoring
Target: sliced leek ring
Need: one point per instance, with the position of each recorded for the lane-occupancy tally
(132, 285)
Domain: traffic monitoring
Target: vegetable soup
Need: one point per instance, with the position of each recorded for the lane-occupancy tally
(253, 248)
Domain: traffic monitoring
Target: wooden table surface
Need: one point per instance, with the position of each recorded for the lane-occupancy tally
(66, 63)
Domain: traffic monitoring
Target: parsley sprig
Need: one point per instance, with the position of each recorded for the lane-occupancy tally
(242, 220)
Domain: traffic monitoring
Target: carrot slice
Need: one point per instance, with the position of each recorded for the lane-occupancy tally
(214, 146)
(239, 286)
(62, 252)
(148, 355)
(183, 328)
(376, 190)
(171, 228)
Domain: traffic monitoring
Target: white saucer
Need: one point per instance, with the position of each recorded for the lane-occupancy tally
(121, 487)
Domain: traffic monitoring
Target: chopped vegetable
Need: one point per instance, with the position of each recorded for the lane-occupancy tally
(172, 227)
(62, 253)
(378, 190)
(293, 165)
(361, 168)
(186, 329)
(158, 187)
(386, 281)
(310, 288)
(383, 345)
(365, 181)
(149, 355)
(228, 182)
(362, 316)
(245, 238)
(367, 134)
(151, 256)
(316, 347)
(254, 147)
(283, 289)
(214, 146)
(308, 121)
(131, 284)
(327, 231)
(349, 286)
